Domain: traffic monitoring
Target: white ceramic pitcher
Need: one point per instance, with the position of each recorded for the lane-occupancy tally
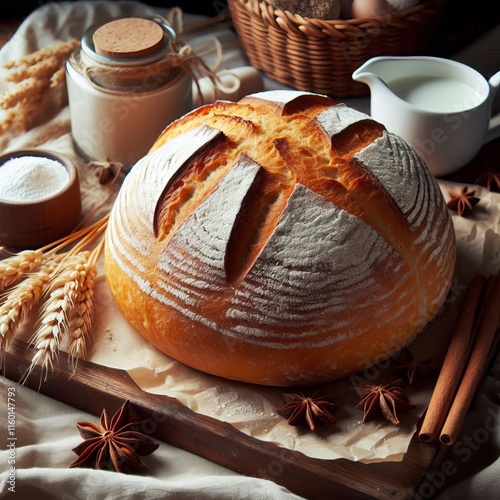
(440, 107)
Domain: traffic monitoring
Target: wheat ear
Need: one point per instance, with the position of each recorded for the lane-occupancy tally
(34, 76)
(14, 269)
(62, 292)
(59, 51)
(80, 322)
(16, 304)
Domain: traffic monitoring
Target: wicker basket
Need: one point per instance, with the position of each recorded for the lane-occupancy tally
(320, 55)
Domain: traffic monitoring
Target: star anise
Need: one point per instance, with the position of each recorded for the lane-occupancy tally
(383, 399)
(464, 201)
(307, 410)
(114, 444)
(414, 369)
(490, 180)
(107, 170)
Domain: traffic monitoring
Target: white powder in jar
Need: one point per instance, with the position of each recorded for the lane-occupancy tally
(31, 178)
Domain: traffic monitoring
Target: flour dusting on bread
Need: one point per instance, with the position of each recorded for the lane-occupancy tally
(280, 240)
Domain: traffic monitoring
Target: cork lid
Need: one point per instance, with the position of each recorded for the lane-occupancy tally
(128, 38)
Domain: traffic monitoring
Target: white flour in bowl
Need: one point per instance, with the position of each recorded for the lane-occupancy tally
(31, 178)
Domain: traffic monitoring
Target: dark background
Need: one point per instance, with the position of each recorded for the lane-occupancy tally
(21, 8)
(462, 22)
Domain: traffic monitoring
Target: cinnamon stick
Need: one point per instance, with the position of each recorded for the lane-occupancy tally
(476, 366)
(453, 364)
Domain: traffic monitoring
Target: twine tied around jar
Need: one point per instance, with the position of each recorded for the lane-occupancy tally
(191, 61)
(152, 75)
(185, 57)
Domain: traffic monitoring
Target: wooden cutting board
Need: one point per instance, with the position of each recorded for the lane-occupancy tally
(94, 387)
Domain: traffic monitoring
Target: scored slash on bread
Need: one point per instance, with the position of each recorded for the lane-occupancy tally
(279, 240)
(286, 159)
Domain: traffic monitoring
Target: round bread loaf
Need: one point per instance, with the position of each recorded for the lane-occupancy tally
(281, 240)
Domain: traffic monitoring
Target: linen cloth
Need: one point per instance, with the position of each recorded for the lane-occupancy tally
(46, 428)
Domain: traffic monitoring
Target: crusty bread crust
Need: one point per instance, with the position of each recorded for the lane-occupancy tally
(282, 240)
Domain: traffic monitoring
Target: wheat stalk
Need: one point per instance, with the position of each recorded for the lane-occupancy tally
(34, 76)
(26, 89)
(17, 303)
(60, 51)
(41, 70)
(62, 292)
(14, 269)
(80, 322)
(65, 284)
(68, 308)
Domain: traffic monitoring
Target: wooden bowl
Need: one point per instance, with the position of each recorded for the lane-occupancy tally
(33, 224)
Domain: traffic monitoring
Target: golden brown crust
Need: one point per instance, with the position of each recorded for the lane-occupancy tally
(281, 240)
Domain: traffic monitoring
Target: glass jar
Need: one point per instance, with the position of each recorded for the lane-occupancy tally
(124, 88)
